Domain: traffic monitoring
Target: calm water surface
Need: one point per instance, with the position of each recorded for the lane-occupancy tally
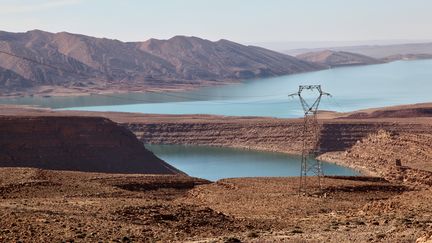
(214, 163)
(353, 88)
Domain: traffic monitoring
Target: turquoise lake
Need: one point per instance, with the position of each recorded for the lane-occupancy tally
(353, 88)
(357, 87)
(214, 163)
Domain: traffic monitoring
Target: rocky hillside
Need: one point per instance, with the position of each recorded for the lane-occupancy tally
(330, 58)
(75, 143)
(404, 157)
(81, 62)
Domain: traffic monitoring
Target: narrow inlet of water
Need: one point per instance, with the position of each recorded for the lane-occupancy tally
(214, 163)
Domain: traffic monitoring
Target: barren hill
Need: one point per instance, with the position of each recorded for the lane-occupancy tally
(337, 58)
(75, 143)
(89, 64)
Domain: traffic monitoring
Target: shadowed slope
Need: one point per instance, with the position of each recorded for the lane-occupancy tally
(75, 143)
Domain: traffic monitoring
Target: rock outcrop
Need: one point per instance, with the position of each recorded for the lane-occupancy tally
(260, 134)
(75, 143)
(401, 156)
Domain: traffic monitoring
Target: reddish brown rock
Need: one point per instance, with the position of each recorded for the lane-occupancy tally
(75, 143)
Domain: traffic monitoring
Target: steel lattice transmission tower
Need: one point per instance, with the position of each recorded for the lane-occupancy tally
(310, 135)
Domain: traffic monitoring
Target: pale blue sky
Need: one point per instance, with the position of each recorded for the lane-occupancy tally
(246, 21)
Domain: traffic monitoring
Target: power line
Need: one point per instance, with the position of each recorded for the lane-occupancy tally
(207, 102)
(332, 99)
(241, 96)
(197, 99)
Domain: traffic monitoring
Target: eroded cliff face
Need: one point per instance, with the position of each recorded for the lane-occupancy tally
(261, 135)
(400, 156)
(367, 145)
(342, 135)
(278, 135)
(75, 143)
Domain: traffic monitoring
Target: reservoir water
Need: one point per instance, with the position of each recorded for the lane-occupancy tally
(214, 163)
(357, 87)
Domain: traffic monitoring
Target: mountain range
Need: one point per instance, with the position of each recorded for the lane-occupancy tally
(41, 62)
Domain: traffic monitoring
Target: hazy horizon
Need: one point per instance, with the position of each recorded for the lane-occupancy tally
(244, 21)
(283, 46)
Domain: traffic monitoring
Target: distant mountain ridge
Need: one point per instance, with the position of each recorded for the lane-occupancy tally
(375, 51)
(88, 64)
(337, 58)
(407, 57)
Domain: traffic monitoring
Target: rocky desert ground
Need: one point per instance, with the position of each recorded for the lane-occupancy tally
(390, 204)
(59, 206)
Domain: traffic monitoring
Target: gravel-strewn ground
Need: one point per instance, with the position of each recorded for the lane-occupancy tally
(55, 206)
(58, 206)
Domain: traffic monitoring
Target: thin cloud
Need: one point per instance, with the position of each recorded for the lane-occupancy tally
(34, 6)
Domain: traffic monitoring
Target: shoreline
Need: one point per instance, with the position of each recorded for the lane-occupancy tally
(363, 171)
(340, 132)
(61, 91)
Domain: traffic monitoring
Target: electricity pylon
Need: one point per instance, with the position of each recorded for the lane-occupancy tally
(310, 136)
